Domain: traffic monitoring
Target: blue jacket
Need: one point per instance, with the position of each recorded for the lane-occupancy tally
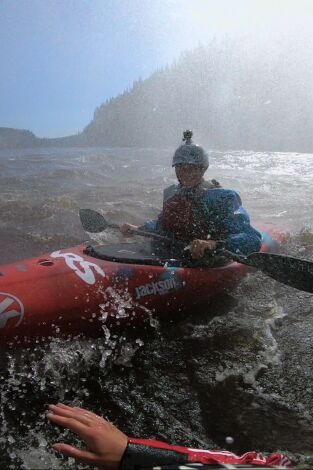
(222, 211)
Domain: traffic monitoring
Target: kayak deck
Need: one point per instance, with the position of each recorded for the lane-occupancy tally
(70, 292)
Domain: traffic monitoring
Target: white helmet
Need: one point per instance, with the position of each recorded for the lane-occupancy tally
(190, 153)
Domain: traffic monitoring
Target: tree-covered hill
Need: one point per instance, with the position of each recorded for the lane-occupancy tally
(16, 138)
(234, 93)
(21, 138)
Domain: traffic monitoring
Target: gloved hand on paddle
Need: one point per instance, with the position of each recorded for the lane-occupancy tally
(128, 229)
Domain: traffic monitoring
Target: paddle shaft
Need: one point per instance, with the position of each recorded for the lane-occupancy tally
(143, 233)
(291, 271)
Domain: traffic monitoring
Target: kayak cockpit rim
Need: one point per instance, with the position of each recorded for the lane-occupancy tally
(142, 254)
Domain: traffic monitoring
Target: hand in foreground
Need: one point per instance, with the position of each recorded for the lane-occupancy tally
(105, 443)
(128, 229)
(198, 247)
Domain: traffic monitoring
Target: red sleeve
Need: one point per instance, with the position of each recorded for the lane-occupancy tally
(216, 456)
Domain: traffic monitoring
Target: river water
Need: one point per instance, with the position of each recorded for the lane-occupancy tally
(241, 367)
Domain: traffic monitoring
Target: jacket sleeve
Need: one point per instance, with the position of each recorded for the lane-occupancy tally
(143, 453)
(234, 221)
(150, 226)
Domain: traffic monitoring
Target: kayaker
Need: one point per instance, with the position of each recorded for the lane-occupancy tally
(200, 212)
(109, 448)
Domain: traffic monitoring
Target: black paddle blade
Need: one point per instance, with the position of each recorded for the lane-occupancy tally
(92, 221)
(294, 272)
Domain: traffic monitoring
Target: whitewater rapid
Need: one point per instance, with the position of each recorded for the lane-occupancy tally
(242, 367)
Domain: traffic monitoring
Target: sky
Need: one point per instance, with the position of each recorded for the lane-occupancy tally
(60, 59)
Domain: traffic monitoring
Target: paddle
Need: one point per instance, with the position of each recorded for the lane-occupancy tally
(94, 222)
(291, 271)
(294, 272)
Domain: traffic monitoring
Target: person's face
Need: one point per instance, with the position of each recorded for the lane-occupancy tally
(189, 176)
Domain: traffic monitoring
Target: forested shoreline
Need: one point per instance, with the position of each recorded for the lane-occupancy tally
(233, 95)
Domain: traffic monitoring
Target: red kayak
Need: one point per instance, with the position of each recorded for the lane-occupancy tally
(79, 290)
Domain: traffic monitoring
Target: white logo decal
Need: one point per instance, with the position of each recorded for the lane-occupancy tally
(157, 288)
(10, 307)
(84, 269)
